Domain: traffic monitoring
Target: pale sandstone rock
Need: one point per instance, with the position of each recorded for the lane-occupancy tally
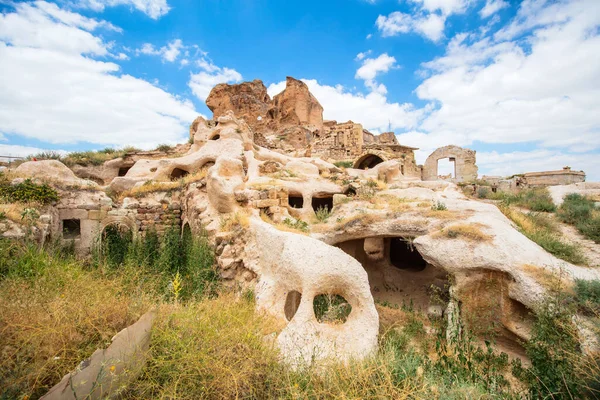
(223, 180)
(302, 168)
(286, 262)
(53, 171)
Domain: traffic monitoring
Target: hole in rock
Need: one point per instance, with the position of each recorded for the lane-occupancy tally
(216, 137)
(368, 161)
(350, 192)
(406, 280)
(331, 308)
(292, 302)
(71, 228)
(296, 201)
(153, 169)
(123, 171)
(178, 173)
(404, 256)
(322, 202)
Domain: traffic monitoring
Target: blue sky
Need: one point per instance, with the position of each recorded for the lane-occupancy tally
(518, 81)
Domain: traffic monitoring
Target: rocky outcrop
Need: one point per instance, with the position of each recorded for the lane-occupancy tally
(295, 106)
(248, 100)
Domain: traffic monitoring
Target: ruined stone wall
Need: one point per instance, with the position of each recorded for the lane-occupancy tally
(551, 178)
(338, 141)
(464, 163)
(161, 217)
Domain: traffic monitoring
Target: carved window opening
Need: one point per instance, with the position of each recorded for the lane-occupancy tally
(71, 228)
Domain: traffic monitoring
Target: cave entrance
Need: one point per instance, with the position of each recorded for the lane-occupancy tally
(216, 137)
(296, 201)
(403, 255)
(123, 171)
(368, 161)
(398, 275)
(178, 173)
(323, 203)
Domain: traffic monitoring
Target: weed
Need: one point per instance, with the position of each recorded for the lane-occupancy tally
(297, 224)
(236, 220)
(164, 148)
(331, 308)
(587, 294)
(582, 212)
(343, 164)
(27, 192)
(322, 213)
(439, 206)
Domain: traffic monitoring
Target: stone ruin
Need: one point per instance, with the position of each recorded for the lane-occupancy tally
(271, 162)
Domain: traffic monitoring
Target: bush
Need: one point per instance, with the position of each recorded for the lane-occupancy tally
(322, 213)
(582, 212)
(343, 164)
(575, 209)
(298, 224)
(164, 148)
(587, 294)
(483, 192)
(537, 199)
(27, 192)
(439, 206)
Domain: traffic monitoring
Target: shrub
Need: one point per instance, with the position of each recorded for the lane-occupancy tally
(575, 209)
(322, 213)
(164, 148)
(28, 192)
(582, 212)
(439, 206)
(343, 164)
(537, 199)
(483, 192)
(298, 224)
(587, 294)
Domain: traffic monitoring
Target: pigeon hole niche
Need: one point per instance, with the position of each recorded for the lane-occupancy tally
(397, 272)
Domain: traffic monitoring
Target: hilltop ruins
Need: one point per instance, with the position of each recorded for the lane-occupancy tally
(264, 178)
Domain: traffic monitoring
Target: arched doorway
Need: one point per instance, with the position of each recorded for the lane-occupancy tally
(368, 161)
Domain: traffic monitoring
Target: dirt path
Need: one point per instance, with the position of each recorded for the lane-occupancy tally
(590, 250)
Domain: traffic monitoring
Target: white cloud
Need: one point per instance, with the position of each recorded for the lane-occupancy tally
(51, 91)
(169, 53)
(152, 8)
(429, 25)
(203, 82)
(35, 27)
(373, 110)
(500, 92)
(428, 18)
(491, 7)
(363, 54)
(371, 67)
(13, 150)
(446, 7)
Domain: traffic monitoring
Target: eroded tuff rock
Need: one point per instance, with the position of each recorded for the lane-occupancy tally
(295, 106)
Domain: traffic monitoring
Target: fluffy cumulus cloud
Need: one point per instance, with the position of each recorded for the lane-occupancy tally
(491, 7)
(535, 80)
(427, 19)
(202, 82)
(54, 90)
(168, 53)
(373, 110)
(152, 8)
(371, 67)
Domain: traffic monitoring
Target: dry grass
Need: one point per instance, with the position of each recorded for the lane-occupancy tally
(48, 325)
(239, 219)
(282, 226)
(441, 214)
(548, 279)
(12, 212)
(150, 187)
(471, 232)
(195, 177)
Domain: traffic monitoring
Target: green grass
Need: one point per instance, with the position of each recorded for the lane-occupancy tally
(536, 199)
(26, 192)
(581, 212)
(344, 164)
(322, 213)
(539, 228)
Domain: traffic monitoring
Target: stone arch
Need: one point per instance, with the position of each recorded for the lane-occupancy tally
(464, 163)
(119, 221)
(369, 159)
